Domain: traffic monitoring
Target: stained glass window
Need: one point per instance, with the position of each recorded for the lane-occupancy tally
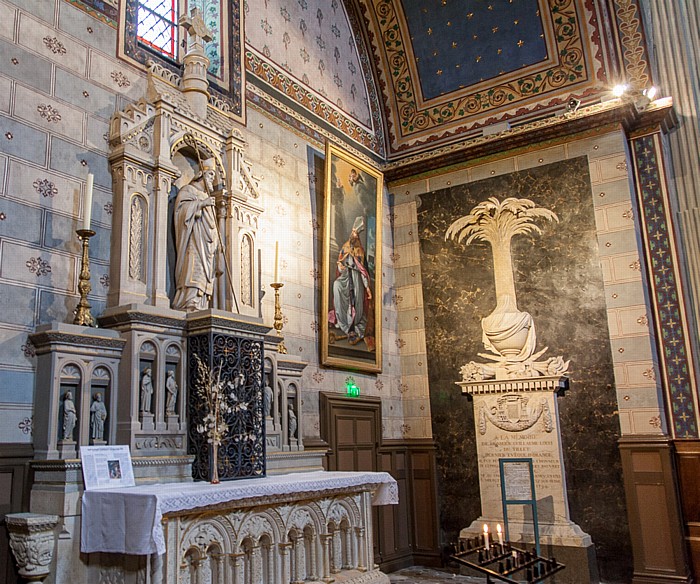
(157, 25)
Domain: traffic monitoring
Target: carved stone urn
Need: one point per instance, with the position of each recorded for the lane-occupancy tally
(32, 541)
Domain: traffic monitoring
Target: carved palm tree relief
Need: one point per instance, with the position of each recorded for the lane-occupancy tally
(508, 333)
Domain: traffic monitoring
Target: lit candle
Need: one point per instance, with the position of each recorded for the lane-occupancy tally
(500, 535)
(277, 257)
(87, 211)
(486, 536)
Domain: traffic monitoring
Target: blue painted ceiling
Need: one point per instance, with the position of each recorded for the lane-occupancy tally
(459, 43)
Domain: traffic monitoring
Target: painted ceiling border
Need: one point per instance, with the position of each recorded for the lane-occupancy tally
(584, 73)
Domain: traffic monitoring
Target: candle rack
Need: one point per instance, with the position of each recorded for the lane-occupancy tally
(504, 563)
(279, 320)
(83, 317)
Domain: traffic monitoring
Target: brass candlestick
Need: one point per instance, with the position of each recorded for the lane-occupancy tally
(82, 311)
(278, 317)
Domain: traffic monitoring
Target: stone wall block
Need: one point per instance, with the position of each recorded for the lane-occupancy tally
(87, 96)
(22, 222)
(18, 304)
(43, 9)
(116, 76)
(79, 24)
(540, 157)
(46, 189)
(38, 267)
(18, 139)
(52, 44)
(5, 94)
(490, 169)
(25, 67)
(54, 117)
(77, 161)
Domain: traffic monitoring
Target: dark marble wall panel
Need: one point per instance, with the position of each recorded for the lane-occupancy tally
(559, 282)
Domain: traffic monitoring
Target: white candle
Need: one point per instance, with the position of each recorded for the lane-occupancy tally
(87, 211)
(486, 536)
(277, 257)
(500, 534)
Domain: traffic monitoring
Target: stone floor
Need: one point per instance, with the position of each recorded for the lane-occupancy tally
(418, 575)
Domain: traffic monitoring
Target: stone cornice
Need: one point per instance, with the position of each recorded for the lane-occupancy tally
(623, 113)
(557, 384)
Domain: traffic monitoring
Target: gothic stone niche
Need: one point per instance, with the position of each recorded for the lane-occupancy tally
(238, 363)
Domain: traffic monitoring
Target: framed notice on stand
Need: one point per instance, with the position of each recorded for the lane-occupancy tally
(106, 467)
(518, 488)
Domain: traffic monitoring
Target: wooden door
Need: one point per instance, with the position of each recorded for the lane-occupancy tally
(352, 427)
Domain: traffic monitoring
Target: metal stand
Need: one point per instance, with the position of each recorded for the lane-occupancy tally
(504, 562)
(82, 311)
(279, 322)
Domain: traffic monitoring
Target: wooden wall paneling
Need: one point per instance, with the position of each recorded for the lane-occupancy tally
(688, 461)
(14, 498)
(653, 510)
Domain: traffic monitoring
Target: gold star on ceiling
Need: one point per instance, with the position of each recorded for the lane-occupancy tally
(521, 43)
(478, 58)
(430, 31)
(439, 71)
(469, 15)
(454, 44)
(494, 30)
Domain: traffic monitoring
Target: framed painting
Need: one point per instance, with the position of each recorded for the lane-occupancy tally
(351, 333)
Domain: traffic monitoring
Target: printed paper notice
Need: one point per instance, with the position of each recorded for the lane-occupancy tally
(106, 467)
(517, 480)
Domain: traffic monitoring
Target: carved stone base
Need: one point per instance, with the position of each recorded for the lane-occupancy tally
(32, 541)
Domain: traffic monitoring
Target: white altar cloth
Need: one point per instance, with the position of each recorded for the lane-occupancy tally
(128, 520)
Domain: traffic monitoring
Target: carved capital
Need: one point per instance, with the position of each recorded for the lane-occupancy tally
(32, 541)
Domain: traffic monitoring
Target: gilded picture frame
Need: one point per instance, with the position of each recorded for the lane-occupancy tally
(351, 291)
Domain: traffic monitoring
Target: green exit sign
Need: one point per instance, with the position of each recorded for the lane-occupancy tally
(351, 389)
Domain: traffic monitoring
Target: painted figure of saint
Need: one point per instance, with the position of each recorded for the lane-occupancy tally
(197, 241)
(98, 415)
(351, 288)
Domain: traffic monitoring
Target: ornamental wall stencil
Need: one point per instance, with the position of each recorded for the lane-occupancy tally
(45, 187)
(514, 412)
(49, 113)
(508, 333)
(38, 266)
(120, 79)
(54, 45)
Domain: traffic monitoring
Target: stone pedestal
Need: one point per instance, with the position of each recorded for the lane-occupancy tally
(519, 418)
(82, 361)
(32, 541)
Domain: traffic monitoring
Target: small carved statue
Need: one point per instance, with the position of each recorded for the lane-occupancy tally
(292, 417)
(98, 415)
(146, 391)
(267, 397)
(70, 416)
(197, 241)
(171, 389)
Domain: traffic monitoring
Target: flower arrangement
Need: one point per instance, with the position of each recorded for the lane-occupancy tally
(210, 388)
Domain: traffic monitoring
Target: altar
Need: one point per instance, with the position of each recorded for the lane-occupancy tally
(276, 530)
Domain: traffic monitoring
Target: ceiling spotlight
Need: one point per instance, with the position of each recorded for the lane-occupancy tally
(619, 90)
(573, 104)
